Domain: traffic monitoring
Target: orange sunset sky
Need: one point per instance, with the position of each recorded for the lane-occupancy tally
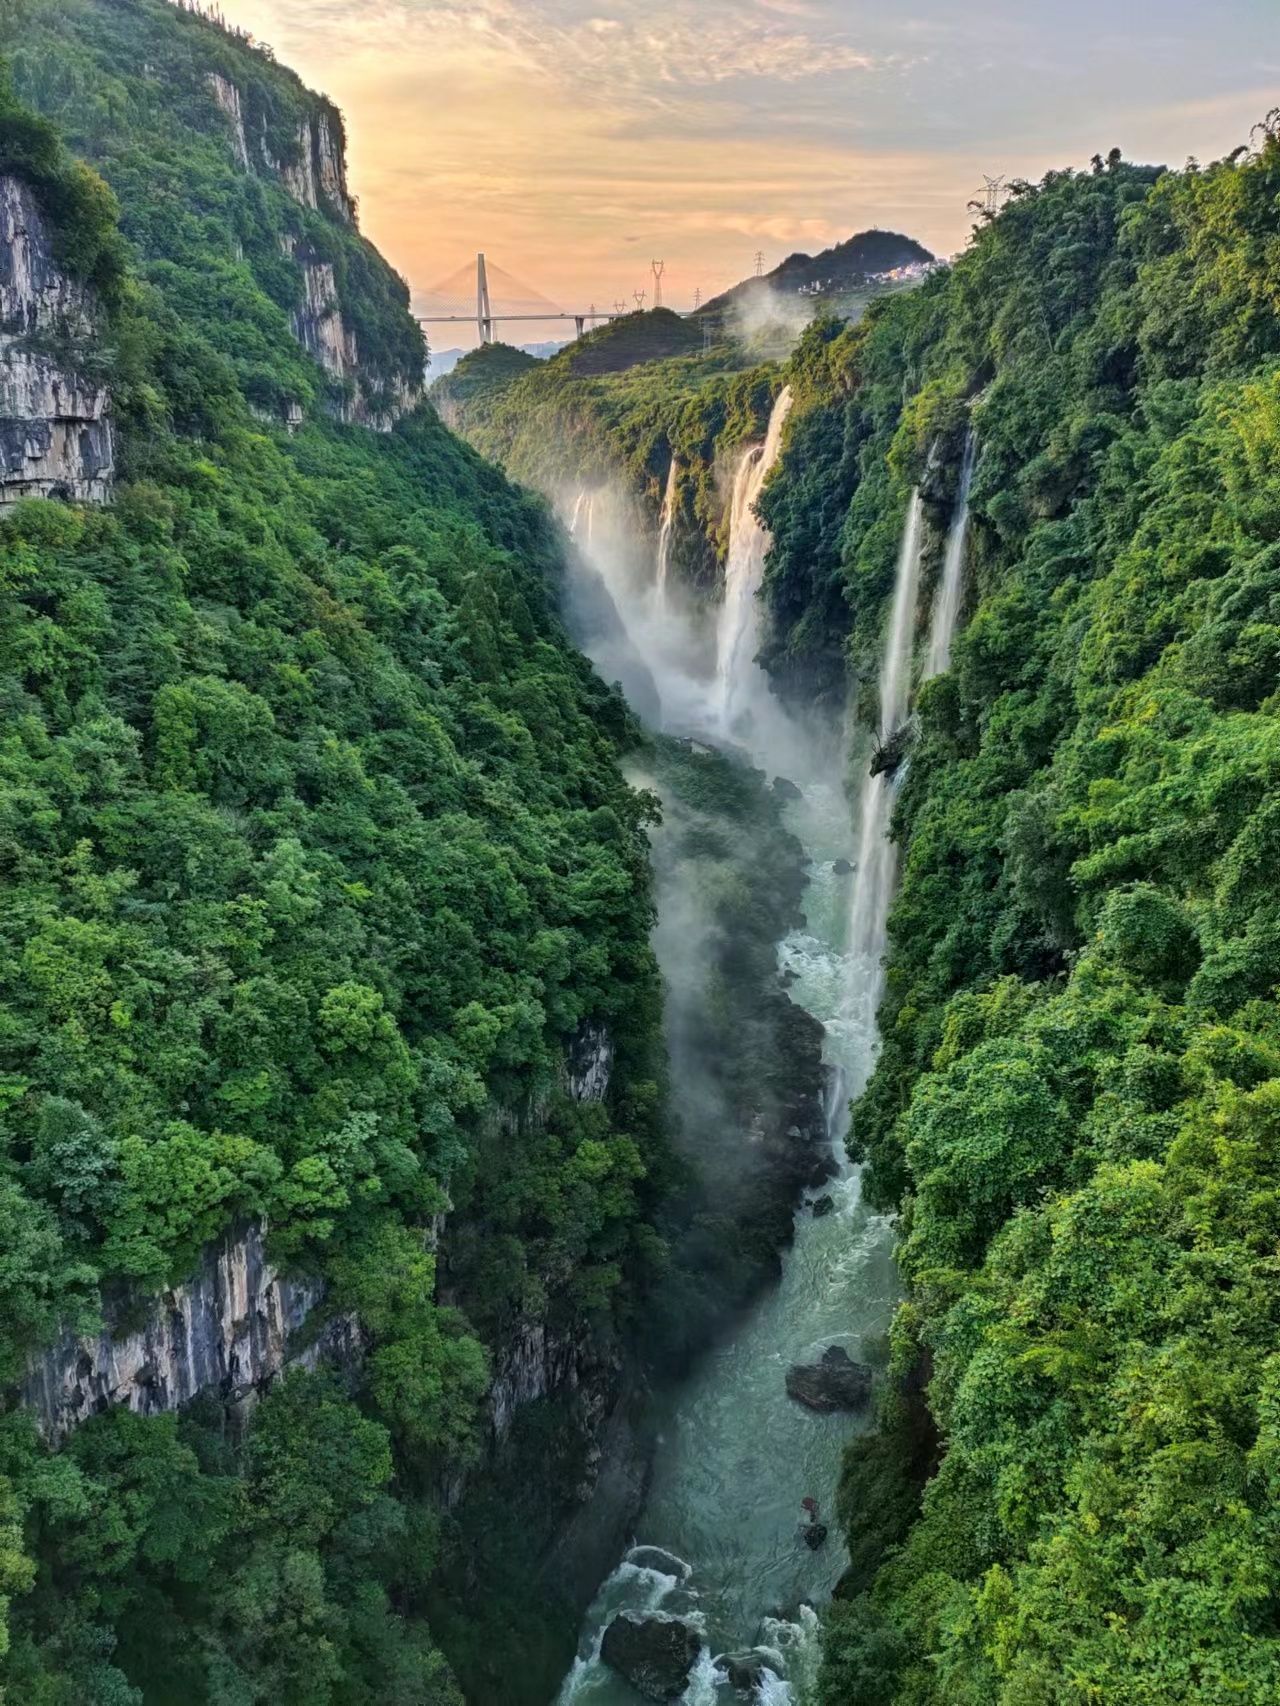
(574, 140)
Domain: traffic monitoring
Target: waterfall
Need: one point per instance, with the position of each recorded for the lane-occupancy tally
(739, 679)
(946, 606)
(666, 528)
(877, 866)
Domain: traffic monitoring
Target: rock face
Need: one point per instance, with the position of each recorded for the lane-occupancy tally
(227, 97)
(590, 1063)
(317, 177)
(229, 1329)
(55, 428)
(835, 1383)
(655, 1654)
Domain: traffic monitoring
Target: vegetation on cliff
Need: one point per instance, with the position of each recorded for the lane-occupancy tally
(316, 851)
(1076, 1105)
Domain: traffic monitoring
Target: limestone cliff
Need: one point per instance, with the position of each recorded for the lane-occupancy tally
(314, 174)
(229, 1329)
(55, 428)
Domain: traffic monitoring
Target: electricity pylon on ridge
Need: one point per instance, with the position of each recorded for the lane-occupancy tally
(639, 298)
(697, 297)
(659, 267)
(759, 263)
(993, 192)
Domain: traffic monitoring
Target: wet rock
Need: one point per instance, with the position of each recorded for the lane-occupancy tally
(891, 752)
(656, 1655)
(746, 1673)
(657, 1558)
(822, 1206)
(835, 1383)
(815, 1535)
(843, 867)
(786, 790)
(822, 1171)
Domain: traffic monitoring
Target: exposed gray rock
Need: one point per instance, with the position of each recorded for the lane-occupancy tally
(227, 98)
(785, 789)
(822, 1206)
(888, 757)
(55, 429)
(590, 1063)
(746, 1673)
(656, 1655)
(532, 1363)
(843, 867)
(835, 1383)
(230, 1329)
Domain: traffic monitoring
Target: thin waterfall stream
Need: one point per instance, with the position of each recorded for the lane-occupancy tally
(720, 1542)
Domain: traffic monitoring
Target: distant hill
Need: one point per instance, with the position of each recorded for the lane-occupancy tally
(868, 255)
(477, 377)
(444, 361)
(656, 335)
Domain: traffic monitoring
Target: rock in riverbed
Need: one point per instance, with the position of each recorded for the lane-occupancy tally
(746, 1673)
(655, 1654)
(835, 1383)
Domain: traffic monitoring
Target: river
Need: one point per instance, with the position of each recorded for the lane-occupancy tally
(720, 1543)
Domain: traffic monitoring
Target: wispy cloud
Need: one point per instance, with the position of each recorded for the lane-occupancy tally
(567, 138)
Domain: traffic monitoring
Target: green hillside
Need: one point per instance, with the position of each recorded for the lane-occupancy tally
(1076, 1106)
(317, 851)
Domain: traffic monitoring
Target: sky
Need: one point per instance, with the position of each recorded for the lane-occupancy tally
(575, 141)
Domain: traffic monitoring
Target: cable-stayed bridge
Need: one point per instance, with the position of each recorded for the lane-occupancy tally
(487, 297)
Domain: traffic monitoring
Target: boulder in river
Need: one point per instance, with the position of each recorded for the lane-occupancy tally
(659, 1559)
(786, 790)
(815, 1535)
(746, 1673)
(843, 867)
(821, 1206)
(821, 1169)
(835, 1383)
(656, 1655)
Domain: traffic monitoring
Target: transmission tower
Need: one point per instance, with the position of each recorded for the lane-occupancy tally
(697, 297)
(640, 296)
(993, 193)
(659, 267)
(619, 307)
(759, 263)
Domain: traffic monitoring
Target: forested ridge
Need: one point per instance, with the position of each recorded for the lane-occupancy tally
(317, 856)
(1077, 1108)
(317, 853)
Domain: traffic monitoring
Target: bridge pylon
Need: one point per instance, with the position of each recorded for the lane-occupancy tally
(484, 312)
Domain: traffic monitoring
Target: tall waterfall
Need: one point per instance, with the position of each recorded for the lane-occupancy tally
(666, 528)
(739, 678)
(877, 865)
(946, 606)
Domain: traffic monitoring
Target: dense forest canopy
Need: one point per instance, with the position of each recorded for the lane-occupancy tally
(1076, 1105)
(316, 852)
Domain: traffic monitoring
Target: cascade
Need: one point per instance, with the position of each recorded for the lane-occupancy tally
(736, 1455)
(946, 606)
(877, 864)
(666, 528)
(740, 681)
